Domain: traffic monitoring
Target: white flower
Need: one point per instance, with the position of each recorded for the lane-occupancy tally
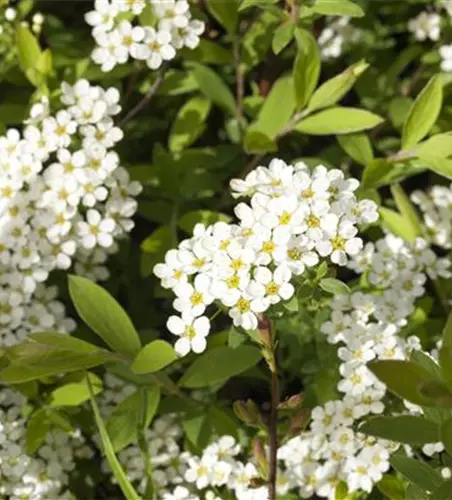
(426, 25)
(445, 51)
(192, 333)
(157, 48)
(96, 231)
(273, 286)
(193, 299)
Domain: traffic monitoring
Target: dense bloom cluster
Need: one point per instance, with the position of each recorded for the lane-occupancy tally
(295, 217)
(436, 207)
(366, 324)
(427, 25)
(118, 39)
(44, 475)
(64, 199)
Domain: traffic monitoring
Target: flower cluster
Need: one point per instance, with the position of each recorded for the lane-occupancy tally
(367, 325)
(47, 473)
(118, 39)
(335, 36)
(64, 199)
(295, 217)
(436, 206)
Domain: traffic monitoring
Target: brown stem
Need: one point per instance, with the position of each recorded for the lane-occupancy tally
(147, 98)
(273, 435)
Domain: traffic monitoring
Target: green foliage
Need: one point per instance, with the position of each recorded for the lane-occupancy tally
(154, 357)
(219, 364)
(100, 311)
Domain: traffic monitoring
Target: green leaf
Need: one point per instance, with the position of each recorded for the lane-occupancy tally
(437, 146)
(75, 393)
(443, 492)
(334, 286)
(28, 49)
(306, 69)
(225, 12)
(445, 363)
(102, 313)
(417, 472)
(407, 209)
(333, 90)
(189, 123)
(212, 86)
(338, 120)
(257, 142)
(120, 475)
(437, 393)
(155, 247)
(376, 173)
(446, 435)
(414, 492)
(218, 365)
(122, 424)
(447, 332)
(399, 107)
(423, 114)
(357, 146)
(246, 4)
(282, 37)
(408, 429)
(63, 341)
(38, 426)
(392, 487)
(441, 166)
(337, 8)
(276, 111)
(197, 427)
(189, 220)
(397, 224)
(403, 378)
(153, 357)
(44, 361)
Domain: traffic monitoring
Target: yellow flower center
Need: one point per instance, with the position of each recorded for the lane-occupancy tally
(312, 221)
(285, 218)
(338, 242)
(196, 298)
(243, 305)
(233, 281)
(268, 247)
(294, 254)
(307, 193)
(237, 264)
(190, 332)
(272, 288)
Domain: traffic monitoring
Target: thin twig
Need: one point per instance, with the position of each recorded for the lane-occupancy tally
(147, 98)
(273, 422)
(239, 81)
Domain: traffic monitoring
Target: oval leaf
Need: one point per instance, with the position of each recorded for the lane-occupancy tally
(408, 429)
(219, 364)
(334, 286)
(100, 311)
(423, 114)
(154, 357)
(338, 120)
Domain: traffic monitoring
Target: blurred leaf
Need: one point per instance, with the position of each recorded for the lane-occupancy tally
(407, 209)
(38, 426)
(334, 90)
(398, 224)
(423, 114)
(155, 247)
(392, 487)
(103, 314)
(338, 120)
(357, 146)
(218, 365)
(399, 108)
(334, 286)
(122, 424)
(212, 86)
(153, 357)
(446, 435)
(120, 476)
(63, 341)
(225, 12)
(337, 8)
(306, 69)
(403, 378)
(408, 429)
(437, 146)
(29, 53)
(189, 123)
(197, 426)
(246, 4)
(257, 142)
(417, 472)
(443, 492)
(441, 166)
(282, 36)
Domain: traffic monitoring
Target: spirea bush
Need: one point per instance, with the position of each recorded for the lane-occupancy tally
(225, 249)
